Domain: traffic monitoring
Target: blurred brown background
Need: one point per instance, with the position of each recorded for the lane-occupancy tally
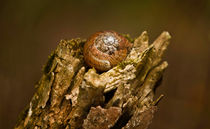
(31, 29)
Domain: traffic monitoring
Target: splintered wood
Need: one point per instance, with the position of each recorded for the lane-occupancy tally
(70, 96)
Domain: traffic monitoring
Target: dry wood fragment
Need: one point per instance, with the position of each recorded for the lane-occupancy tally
(71, 96)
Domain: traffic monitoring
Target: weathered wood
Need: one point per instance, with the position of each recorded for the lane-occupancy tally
(70, 94)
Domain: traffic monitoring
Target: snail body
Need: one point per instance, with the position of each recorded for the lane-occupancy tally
(105, 49)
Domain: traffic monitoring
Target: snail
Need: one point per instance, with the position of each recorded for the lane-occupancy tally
(105, 49)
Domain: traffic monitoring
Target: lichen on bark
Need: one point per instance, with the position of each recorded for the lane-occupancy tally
(69, 95)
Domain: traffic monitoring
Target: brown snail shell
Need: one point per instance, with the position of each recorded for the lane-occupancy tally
(105, 49)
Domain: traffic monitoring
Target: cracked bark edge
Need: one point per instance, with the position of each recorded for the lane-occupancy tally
(66, 94)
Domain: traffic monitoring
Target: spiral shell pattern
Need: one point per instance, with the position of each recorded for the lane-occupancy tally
(105, 49)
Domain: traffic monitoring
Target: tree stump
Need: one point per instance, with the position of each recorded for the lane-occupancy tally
(70, 95)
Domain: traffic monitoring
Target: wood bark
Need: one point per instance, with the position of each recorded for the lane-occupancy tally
(70, 95)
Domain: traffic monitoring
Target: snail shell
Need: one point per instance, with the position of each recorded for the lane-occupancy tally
(105, 49)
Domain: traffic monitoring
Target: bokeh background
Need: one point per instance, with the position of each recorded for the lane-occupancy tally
(31, 29)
